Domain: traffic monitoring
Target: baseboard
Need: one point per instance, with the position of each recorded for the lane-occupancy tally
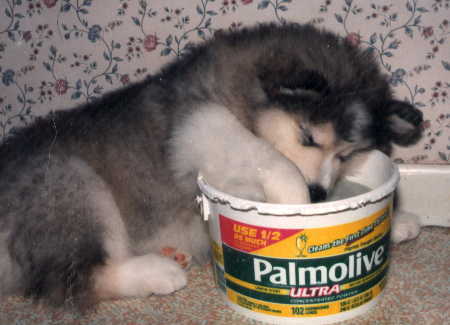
(424, 190)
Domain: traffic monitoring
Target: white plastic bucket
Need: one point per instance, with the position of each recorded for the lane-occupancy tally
(304, 264)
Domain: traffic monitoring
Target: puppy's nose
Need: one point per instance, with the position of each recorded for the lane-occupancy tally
(317, 193)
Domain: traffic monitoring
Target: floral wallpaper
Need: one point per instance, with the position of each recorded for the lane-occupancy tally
(55, 54)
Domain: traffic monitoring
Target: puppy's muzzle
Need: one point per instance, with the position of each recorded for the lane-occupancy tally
(317, 193)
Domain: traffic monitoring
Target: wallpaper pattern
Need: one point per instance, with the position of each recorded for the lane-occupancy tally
(55, 54)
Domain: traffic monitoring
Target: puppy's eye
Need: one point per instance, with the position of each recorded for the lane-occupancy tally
(343, 158)
(306, 138)
(308, 141)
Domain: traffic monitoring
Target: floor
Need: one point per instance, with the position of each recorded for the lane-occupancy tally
(417, 292)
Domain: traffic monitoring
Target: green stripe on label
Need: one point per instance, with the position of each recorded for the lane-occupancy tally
(286, 299)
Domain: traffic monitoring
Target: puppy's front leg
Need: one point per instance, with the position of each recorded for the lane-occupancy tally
(283, 182)
(232, 159)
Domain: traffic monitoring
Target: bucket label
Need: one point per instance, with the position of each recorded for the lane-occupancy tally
(303, 272)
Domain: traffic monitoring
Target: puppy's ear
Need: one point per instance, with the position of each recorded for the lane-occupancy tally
(404, 123)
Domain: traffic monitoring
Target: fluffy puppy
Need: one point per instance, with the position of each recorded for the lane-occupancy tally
(89, 196)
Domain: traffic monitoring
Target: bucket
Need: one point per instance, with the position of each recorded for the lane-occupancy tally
(304, 264)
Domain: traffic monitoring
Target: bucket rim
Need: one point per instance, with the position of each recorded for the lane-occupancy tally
(304, 210)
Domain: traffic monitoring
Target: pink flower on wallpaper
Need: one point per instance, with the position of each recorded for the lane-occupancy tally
(49, 3)
(427, 32)
(125, 79)
(246, 2)
(61, 86)
(354, 39)
(27, 36)
(150, 42)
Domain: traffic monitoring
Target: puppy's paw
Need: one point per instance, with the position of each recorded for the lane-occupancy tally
(405, 226)
(183, 259)
(283, 183)
(151, 274)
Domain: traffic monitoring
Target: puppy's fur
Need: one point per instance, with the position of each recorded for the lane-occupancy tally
(87, 196)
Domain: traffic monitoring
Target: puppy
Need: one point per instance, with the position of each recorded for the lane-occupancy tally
(89, 196)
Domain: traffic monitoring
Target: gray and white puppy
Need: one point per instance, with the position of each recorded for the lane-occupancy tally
(89, 196)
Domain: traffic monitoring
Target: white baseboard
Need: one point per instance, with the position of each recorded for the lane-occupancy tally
(424, 190)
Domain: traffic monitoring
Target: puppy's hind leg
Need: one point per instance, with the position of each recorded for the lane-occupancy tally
(139, 277)
(68, 241)
(122, 274)
(125, 275)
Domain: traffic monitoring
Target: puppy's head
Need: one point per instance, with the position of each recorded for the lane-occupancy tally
(320, 129)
